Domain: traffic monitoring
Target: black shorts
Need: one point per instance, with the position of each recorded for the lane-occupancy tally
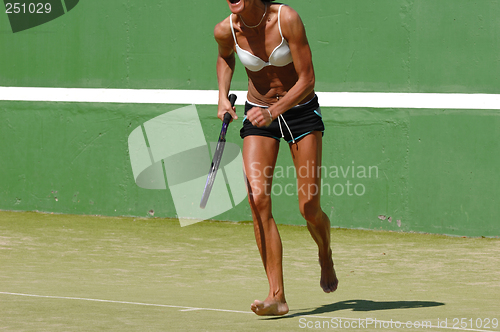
(294, 124)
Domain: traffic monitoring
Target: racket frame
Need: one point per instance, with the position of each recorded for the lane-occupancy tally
(214, 167)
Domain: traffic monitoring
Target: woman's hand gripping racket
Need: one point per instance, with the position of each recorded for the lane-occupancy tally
(217, 155)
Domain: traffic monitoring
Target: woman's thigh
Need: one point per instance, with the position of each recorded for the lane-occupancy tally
(259, 160)
(306, 155)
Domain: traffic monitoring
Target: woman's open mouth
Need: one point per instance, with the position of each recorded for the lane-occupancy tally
(234, 1)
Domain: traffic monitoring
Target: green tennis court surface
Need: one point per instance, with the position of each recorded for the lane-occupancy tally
(86, 273)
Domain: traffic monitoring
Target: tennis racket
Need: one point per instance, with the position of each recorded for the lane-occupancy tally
(212, 172)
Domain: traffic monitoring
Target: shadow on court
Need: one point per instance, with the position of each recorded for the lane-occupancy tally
(362, 305)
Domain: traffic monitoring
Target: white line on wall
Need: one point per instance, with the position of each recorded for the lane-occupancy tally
(210, 97)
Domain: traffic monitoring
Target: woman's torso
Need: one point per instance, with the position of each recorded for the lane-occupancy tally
(272, 82)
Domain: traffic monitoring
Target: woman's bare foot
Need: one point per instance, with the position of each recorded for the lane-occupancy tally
(329, 281)
(269, 307)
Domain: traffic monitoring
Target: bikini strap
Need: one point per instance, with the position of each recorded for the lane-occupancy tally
(279, 24)
(232, 29)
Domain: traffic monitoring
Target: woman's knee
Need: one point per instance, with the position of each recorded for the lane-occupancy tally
(259, 201)
(310, 211)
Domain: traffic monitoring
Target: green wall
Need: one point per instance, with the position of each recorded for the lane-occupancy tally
(437, 169)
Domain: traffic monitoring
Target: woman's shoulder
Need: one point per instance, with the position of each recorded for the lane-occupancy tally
(290, 22)
(287, 13)
(223, 29)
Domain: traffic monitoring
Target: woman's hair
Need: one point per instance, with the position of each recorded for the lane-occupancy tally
(267, 0)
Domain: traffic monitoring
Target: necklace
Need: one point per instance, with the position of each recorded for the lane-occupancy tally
(254, 26)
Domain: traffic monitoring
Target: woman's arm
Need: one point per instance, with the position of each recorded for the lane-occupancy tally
(225, 67)
(294, 32)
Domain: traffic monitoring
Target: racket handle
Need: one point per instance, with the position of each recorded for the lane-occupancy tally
(232, 99)
(227, 116)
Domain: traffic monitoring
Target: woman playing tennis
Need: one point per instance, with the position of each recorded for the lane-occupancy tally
(271, 43)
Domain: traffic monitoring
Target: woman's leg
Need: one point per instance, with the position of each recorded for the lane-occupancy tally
(306, 155)
(259, 159)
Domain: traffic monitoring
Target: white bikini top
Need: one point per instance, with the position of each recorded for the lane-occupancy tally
(280, 56)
